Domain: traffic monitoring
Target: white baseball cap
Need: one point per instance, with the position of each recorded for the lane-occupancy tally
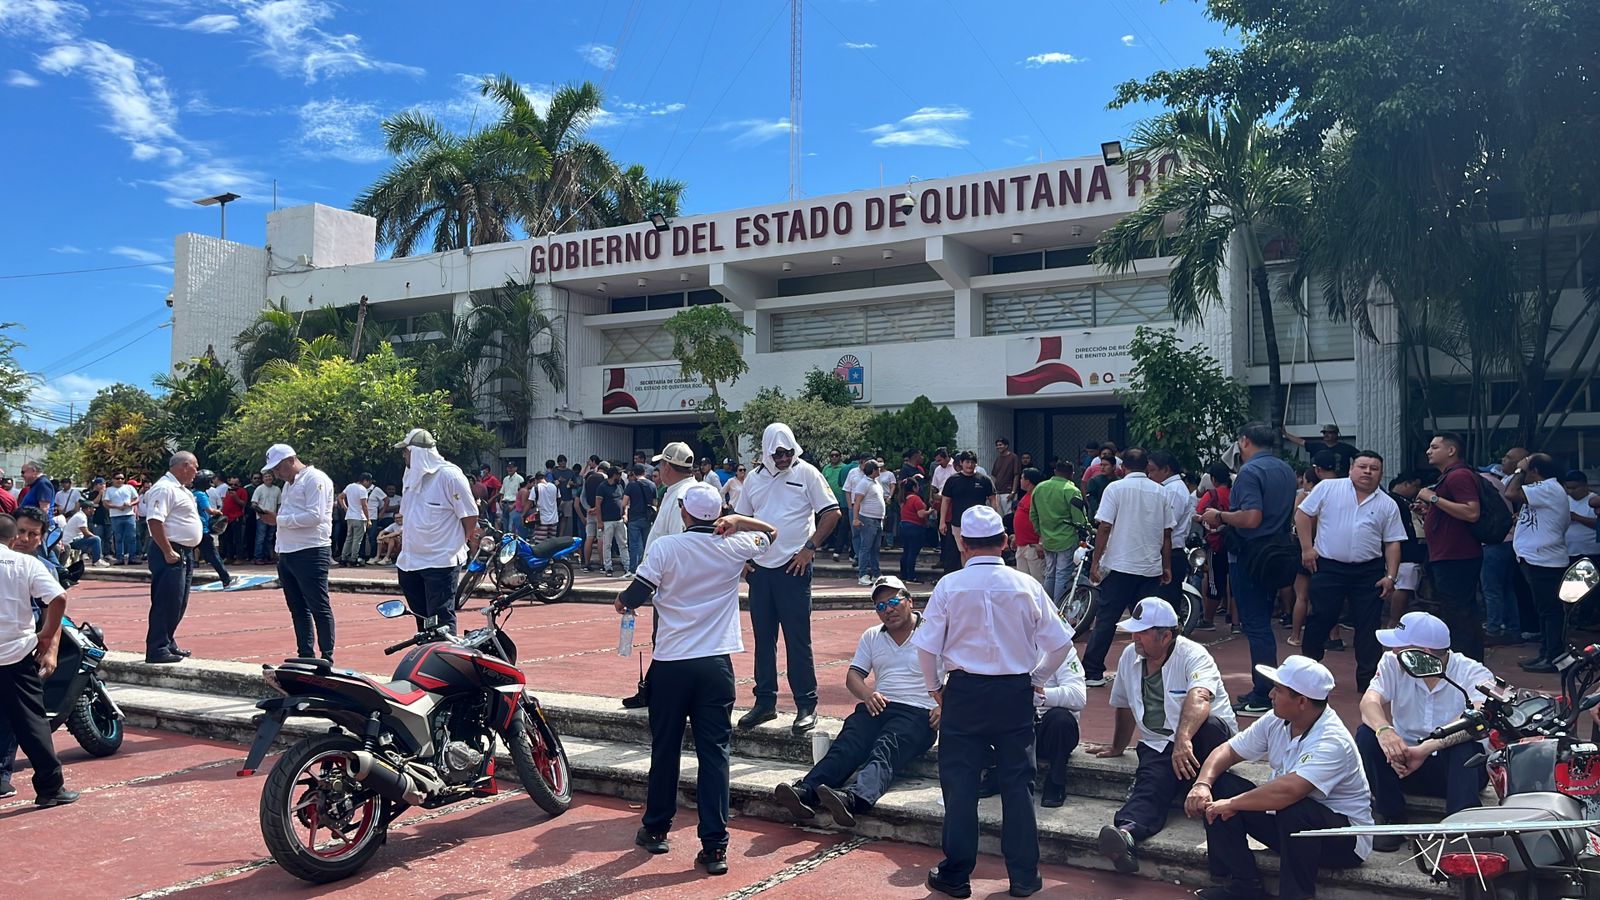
(1303, 675)
(702, 501)
(677, 453)
(277, 453)
(980, 522)
(1151, 612)
(1417, 629)
(888, 581)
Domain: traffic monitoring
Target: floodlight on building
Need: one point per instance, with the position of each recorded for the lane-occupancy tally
(1111, 152)
(1077, 231)
(1016, 237)
(683, 276)
(601, 287)
(788, 267)
(220, 201)
(659, 221)
(643, 282)
(837, 260)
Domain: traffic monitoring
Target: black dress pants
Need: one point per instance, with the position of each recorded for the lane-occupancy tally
(699, 692)
(22, 707)
(873, 748)
(1230, 856)
(983, 711)
(1156, 786)
(169, 597)
(1455, 591)
(431, 593)
(1119, 592)
(304, 576)
(1338, 587)
(1056, 735)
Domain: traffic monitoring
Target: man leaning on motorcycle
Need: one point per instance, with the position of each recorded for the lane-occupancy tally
(26, 659)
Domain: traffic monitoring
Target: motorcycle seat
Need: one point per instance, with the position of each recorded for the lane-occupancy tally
(401, 691)
(1528, 808)
(548, 549)
(310, 662)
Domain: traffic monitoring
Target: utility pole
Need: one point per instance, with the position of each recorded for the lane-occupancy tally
(361, 320)
(795, 7)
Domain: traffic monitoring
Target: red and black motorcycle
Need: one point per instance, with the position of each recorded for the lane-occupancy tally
(425, 739)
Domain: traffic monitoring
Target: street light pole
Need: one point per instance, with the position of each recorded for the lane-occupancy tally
(220, 201)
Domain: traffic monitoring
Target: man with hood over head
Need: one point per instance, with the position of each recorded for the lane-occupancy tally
(439, 520)
(792, 495)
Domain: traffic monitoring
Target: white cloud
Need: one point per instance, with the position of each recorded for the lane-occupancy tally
(58, 393)
(852, 45)
(1054, 57)
(19, 78)
(1128, 41)
(205, 177)
(140, 107)
(756, 131)
(68, 248)
(929, 126)
(143, 256)
(219, 23)
(51, 20)
(292, 43)
(341, 129)
(601, 56)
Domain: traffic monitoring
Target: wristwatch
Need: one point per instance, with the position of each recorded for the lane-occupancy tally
(811, 545)
(1434, 500)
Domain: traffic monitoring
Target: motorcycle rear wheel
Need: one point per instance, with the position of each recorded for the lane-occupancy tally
(541, 763)
(310, 777)
(95, 725)
(555, 582)
(469, 583)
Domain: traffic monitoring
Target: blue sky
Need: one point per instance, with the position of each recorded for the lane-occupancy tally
(119, 114)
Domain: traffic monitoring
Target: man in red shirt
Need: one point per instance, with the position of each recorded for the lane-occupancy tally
(1455, 558)
(491, 488)
(1030, 553)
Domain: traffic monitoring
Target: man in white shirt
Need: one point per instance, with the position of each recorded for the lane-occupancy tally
(78, 536)
(1170, 692)
(1398, 712)
(692, 578)
(265, 499)
(27, 657)
(1317, 782)
(1165, 471)
(175, 532)
(1540, 542)
(997, 635)
(304, 526)
(216, 493)
(867, 508)
(120, 499)
(791, 494)
(675, 465)
(440, 521)
(358, 513)
(377, 497)
(1131, 559)
(1582, 539)
(891, 726)
(68, 497)
(1350, 538)
(508, 495)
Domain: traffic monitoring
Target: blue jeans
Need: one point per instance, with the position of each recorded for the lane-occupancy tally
(266, 538)
(912, 537)
(1255, 620)
(122, 538)
(88, 542)
(637, 532)
(868, 537)
(1500, 589)
(1058, 571)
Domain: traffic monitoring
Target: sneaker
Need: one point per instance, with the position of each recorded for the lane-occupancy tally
(1335, 645)
(835, 557)
(1250, 705)
(655, 843)
(1100, 681)
(714, 861)
(6, 790)
(101, 564)
(864, 581)
(1206, 625)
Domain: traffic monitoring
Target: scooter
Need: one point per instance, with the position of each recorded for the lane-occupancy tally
(75, 696)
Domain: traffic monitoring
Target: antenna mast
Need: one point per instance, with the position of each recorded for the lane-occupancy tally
(795, 7)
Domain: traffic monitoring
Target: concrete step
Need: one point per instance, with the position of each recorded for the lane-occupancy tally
(912, 812)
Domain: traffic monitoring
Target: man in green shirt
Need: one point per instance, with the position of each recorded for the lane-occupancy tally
(1058, 515)
(835, 472)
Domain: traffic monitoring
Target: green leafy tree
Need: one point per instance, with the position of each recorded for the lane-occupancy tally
(124, 440)
(344, 416)
(1178, 400)
(708, 342)
(15, 385)
(200, 397)
(523, 345)
(917, 425)
(279, 334)
(1236, 186)
(826, 387)
(66, 457)
(817, 424)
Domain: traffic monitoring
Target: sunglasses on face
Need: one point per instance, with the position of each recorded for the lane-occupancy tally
(885, 605)
(782, 453)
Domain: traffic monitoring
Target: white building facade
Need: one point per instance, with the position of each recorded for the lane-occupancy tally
(974, 291)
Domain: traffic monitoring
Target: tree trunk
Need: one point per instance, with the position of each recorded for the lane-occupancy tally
(1258, 276)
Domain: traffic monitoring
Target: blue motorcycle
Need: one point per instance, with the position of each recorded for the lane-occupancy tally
(75, 695)
(518, 569)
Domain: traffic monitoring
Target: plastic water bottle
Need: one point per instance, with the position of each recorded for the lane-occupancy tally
(625, 635)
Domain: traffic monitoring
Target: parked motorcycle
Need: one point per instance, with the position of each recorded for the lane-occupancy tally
(1079, 606)
(425, 739)
(75, 695)
(517, 568)
(1543, 841)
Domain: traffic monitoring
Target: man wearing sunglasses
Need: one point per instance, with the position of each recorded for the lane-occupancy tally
(892, 725)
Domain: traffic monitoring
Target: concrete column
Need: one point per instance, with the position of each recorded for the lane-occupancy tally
(1379, 389)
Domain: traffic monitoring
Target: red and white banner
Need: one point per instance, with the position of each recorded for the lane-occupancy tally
(1084, 365)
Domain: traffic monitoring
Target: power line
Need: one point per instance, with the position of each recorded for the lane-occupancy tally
(123, 347)
(1003, 79)
(755, 48)
(143, 265)
(71, 360)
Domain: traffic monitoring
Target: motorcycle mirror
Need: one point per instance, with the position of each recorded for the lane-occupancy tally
(1421, 664)
(1580, 578)
(430, 623)
(392, 609)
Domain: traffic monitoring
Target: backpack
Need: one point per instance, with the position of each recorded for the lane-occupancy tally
(1494, 514)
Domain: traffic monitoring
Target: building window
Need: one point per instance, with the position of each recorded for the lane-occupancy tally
(856, 280)
(1137, 301)
(878, 323)
(1060, 258)
(1302, 404)
(1309, 336)
(676, 300)
(641, 343)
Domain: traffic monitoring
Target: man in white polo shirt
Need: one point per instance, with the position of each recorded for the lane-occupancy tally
(439, 521)
(1130, 558)
(676, 467)
(1170, 689)
(1398, 713)
(1317, 782)
(1350, 537)
(304, 525)
(175, 532)
(891, 726)
(358, 514)
(692, 579)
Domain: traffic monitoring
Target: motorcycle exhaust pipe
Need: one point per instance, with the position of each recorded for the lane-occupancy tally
(387, 781)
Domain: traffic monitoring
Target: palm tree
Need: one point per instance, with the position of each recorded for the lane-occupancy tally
(454, 361)
(278, 333)
(451, 190)
(579, 169)
(526, 349)
(1235, 183)
(637, 195)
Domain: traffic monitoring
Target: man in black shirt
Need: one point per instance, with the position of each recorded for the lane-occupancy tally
(637, 498)
(962, 491)
(605, 508)
(1403, 490)
(1330, 441)
(591, 483)
(564, 478)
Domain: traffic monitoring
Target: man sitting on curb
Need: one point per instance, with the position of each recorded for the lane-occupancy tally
(1398, 712)
(1171, 689)
(1317, 782)
(892, 725)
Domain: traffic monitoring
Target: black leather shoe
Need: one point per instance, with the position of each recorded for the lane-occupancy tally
(804, 721)
(947, 888)
(59, 798)
(1053, 796)
(640, 699)
(837, 805)
(715, 862)
(786, 796)
(163, 659)
(988, 786)
(756, 716)
(1253, 891)
(1026, 890)
(1117, 846)
(655, 843)
(183, 653)
(1538, 666)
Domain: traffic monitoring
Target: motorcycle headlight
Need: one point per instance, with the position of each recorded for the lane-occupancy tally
(1197, 558)
(508, 552)
(486, 543)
